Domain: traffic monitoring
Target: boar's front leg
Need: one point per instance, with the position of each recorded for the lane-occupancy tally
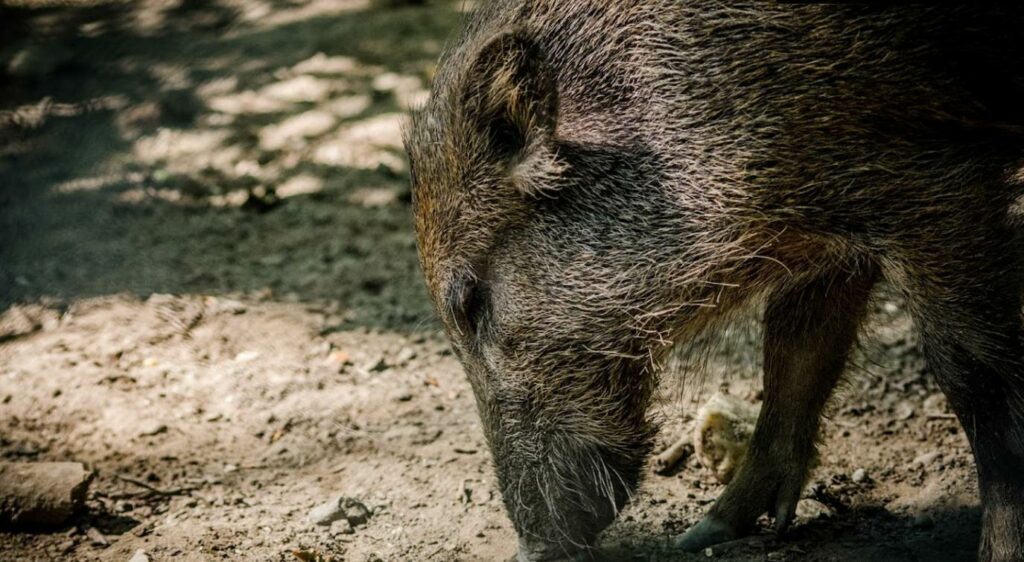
(808, 332)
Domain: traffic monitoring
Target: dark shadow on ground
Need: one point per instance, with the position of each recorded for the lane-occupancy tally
(84, 211)
(865, 533)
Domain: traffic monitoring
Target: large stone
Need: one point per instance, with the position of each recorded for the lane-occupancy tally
(43, 494)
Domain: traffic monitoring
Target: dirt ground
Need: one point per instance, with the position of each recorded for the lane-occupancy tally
(209, 294)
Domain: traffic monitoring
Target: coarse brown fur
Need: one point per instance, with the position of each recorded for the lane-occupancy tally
(595, 182)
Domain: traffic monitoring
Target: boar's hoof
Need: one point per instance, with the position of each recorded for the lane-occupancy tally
(707, 532)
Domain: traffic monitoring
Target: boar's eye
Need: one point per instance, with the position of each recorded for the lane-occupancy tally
(469, 305)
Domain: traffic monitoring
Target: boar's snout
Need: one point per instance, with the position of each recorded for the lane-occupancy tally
(564, 492)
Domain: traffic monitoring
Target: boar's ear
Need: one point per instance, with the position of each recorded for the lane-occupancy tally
(512, 99)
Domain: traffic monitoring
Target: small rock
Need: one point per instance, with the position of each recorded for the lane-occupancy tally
(925, 459)
(339, 358)
(812, 509)
(96, 537)
(139, 556)
(904, 411)
(149, 428)
(405, 355)
(936, 404)
(246, 356)
(219, 305)
(326, 514)
(356, 512)
(342, 527)
(859, 475)
(342, 507)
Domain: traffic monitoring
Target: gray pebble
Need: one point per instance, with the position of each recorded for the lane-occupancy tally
(925, 459)
(342, 527)
(350, 509)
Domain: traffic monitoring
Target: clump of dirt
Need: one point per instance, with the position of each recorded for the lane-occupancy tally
(209, 293)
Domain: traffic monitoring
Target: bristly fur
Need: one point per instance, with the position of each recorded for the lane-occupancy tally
(595, 183)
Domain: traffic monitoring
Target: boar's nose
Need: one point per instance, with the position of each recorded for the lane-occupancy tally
(533, 550)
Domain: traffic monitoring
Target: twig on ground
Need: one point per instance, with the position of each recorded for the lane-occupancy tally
(154, 490)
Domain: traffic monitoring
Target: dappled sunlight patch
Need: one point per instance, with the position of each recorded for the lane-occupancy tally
(347, 107)
(172, 144)
(228, 198)
(139, 195)
(96, 183)
(366, 144)
(408, 91)
(373, 197)
(299, 89)
(35, 115)
(321, 64)
(247, 102)
(305, 11)
(294, 131)
(218, 86)
(302, 184)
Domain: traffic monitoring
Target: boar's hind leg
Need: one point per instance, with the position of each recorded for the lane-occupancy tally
(969, 319)
(808, 330)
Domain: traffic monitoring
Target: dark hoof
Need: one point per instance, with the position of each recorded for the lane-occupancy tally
(707, 532)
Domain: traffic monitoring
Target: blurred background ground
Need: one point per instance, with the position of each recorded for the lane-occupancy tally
(208, 284)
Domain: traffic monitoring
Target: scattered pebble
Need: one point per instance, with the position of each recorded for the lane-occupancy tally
(96, 537)
(936, 404)
(405, 355)
(339, 358)
(812, 509)
(246, 356)
(139, 556)
(925, 459)
(341, 527)
(148, 428)
(219, 305)
(859, 475)
(342, 507)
